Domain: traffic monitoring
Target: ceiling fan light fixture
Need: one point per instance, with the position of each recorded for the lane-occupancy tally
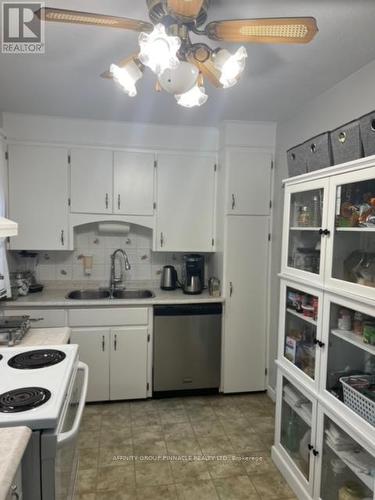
(158, 51)
(127, 77)
(194, 97)
(230, 65)
(179, 80)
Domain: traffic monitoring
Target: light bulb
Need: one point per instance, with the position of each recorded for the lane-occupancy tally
(194, 97)
(230, 65)
(127, 76)
(159, 50)
(179, 80)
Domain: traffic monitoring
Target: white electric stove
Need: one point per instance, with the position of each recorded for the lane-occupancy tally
(45, 390)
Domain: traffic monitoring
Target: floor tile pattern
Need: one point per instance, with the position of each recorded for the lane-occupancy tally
(193, 428)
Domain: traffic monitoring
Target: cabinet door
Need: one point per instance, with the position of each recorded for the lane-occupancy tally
(346, 461)
(349, 355)
(305, 230)
(246, 305)
(38, 197)
(134, 183)
(295, 432)
(185, 203)
(91, 180)
(249, 182)
(351, 245)
(300, 331)
(94, 351)
(128, 365)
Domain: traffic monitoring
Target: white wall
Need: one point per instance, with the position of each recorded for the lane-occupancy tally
(105, 133)
(346, 101)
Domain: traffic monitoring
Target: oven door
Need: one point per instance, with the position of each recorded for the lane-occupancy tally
(59, 469)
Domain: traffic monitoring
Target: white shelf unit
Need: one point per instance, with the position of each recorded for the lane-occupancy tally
(338, 352)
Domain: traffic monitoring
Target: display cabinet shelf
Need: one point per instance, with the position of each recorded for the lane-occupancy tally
(352, 338)
(301, 316)
(304, 228)
(353, 459)
(355, 229)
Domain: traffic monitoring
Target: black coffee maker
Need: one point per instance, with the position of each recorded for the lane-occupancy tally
(193, 274)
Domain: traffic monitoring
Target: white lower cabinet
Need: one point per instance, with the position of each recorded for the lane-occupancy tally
(246, 263)
(117, 359)
(320, 454)
(94, 346)
(128, 363)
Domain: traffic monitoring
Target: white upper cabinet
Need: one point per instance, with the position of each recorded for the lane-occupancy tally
(91, 180)
(249, 182)
(38, 197)
(185, 203)
(133, 183)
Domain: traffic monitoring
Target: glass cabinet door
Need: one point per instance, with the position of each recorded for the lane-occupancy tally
(351, 247)
(348, 371)
(296, 414)
(305, 216)
(347, 468)
(300, 326)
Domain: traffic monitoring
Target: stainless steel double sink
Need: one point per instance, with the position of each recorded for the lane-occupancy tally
(100, 294)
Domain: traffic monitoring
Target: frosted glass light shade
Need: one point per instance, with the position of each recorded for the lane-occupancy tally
(230, 65)
(195, 97)
(159, 50)
(126, 77)
(179, 80)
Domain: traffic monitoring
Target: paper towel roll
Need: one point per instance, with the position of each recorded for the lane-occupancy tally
(113, 228)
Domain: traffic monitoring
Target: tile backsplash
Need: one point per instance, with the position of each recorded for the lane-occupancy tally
(58, 266)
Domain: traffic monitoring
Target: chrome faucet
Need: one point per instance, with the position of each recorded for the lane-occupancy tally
(114, 280)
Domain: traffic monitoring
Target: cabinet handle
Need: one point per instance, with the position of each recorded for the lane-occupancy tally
(233, 202)
(161, 239)
(62, 237)
(319, 343)
(321, 232)
(230, 289)
(315, 453)
(115, 343)
(14, 492)
(103, 343)
(119, 201)
(326, 232)
(310, 447)
(106, 200)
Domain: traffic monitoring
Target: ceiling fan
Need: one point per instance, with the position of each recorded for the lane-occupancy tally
(181, 65)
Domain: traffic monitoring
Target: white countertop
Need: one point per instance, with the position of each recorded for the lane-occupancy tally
(46, 336)
(56, 298)
(13, 442)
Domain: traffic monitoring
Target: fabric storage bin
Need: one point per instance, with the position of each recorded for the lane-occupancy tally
(319, 154)
(297, 160)
(346, 143)
(367, 127)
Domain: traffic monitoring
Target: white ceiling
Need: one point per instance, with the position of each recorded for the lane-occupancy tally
(65, 81)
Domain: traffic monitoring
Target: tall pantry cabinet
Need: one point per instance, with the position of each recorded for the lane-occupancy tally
(244, 239)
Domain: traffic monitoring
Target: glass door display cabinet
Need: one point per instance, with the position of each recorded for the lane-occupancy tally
(346, 469)
(350, 259)
(295, 430)
(300, 330)
(348, 361)
(306, 222)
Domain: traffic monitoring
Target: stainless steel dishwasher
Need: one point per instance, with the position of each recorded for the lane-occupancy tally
(187, 347)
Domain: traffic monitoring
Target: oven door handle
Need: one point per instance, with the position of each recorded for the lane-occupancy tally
(65, 437)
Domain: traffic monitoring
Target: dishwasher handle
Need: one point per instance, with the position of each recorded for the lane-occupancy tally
(188, 309)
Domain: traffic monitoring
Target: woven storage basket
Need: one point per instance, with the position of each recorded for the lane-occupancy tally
(359, 402)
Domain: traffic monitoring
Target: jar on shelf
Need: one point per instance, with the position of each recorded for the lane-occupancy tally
(304, 216)
(344, 321)
(358, 323)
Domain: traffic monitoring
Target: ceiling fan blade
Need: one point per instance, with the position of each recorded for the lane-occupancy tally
(208, 70)
(120, 64)
(185, 9)
(91, 19)
(269, 30)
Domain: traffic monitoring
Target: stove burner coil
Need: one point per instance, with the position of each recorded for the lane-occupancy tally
(39, 358)
(23, 399)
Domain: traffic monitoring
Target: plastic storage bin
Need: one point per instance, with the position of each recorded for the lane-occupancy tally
(297, 160)
(358, 402)
(346, 143)
(367, 127)
(319, 153)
